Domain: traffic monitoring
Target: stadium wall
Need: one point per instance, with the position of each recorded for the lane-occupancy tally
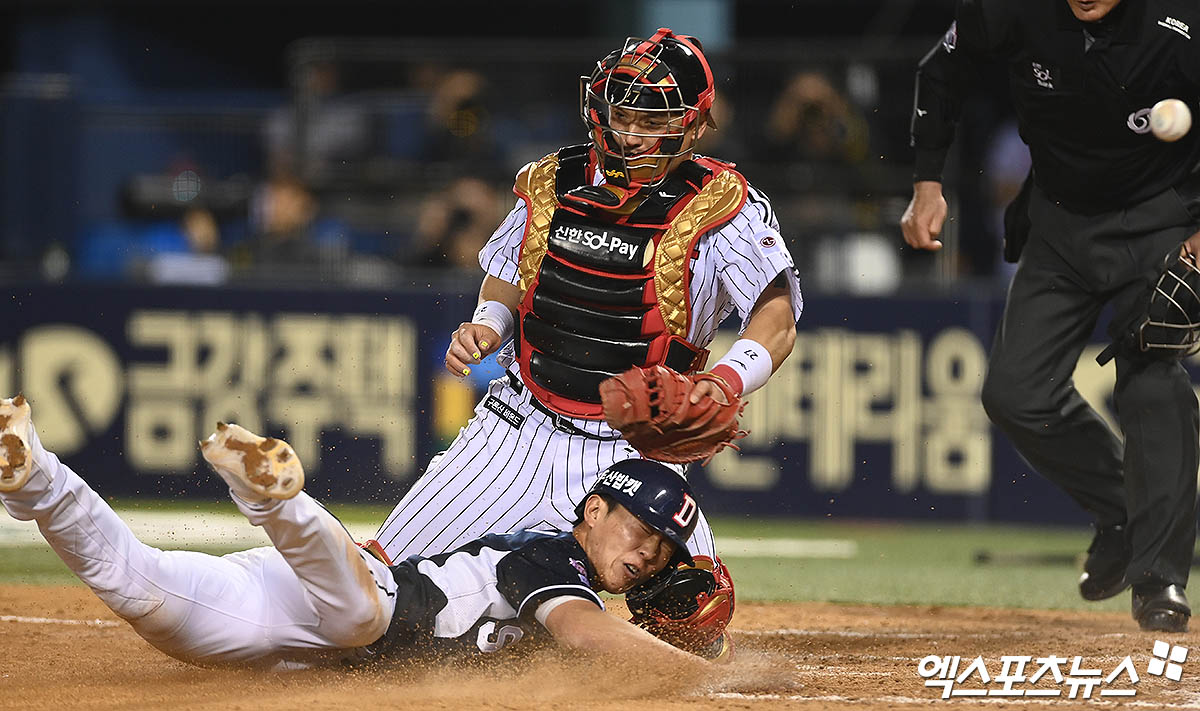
(875, 415)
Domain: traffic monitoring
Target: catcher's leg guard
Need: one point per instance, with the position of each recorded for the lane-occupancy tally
(688, 606)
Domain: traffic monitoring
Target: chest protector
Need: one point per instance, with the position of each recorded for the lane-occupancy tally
(603, 290)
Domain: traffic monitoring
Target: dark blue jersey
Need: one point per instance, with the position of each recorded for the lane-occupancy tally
(485, 595)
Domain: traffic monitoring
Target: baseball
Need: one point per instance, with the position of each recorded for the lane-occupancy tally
(1170, 119)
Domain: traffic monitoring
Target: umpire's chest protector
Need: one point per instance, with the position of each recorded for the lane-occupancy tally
(604, 290)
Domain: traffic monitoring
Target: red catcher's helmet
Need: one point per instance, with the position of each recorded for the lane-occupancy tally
(665, 74)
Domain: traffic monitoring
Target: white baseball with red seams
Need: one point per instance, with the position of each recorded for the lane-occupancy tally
(1170, 120)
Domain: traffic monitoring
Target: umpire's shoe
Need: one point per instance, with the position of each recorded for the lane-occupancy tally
(15, 454)
(1161, 608)
(256, 468)
(1104, 570)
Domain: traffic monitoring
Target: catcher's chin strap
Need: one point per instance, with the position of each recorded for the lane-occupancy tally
(688, 606)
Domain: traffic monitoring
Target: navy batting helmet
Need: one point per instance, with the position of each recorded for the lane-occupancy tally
(653, 492)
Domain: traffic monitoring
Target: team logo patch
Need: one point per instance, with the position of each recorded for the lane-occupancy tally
(767, 242)
(684, 516)
(1042, 76)
(1139, 121)
(581, 569)
(505, 412)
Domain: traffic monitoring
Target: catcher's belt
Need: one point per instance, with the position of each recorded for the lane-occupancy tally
(560, 422)
(606, 290)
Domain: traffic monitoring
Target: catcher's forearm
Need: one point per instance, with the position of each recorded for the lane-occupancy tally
(493, 289)
(746, 367)
(772, 325)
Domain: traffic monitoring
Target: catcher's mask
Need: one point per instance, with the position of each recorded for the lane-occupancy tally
(660, 498)
(1166, 321)
(1172, 321)
(664, 78)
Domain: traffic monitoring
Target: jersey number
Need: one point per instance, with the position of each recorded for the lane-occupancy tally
(686, 512)
(492, 637)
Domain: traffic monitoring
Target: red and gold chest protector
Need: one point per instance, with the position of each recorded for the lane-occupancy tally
(604, 290)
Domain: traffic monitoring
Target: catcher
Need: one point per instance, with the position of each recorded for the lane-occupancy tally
(620, 259)
(315, 595)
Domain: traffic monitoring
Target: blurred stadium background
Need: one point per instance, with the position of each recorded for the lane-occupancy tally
(268, 212)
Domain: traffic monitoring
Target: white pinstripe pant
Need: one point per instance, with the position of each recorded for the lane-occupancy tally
(504, 474)
(312, 594)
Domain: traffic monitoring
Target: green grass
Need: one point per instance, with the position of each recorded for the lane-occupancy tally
(920, 563)
(905, 563)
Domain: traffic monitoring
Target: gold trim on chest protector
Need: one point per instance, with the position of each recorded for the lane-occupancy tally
(538, 184)
(722, 195)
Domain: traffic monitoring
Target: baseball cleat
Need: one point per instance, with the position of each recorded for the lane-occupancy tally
(15, 460)
(255, 468)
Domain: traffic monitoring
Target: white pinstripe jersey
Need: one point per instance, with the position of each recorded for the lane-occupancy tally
(519, 470)
(736, 262)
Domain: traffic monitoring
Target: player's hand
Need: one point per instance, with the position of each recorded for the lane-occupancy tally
(470, 344)
(926, 213)
(706, 388)
(1192, 246)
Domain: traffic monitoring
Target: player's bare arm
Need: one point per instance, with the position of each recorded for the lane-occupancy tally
(579, 624)
(772, 326)
(472, 342)
(926, 214)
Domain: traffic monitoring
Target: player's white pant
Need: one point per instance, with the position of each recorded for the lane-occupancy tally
(315, 590)
(508, 469)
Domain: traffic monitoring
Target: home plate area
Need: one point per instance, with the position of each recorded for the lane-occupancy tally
(63, 649)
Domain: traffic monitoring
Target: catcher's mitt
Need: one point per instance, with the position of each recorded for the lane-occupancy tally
(651, 408)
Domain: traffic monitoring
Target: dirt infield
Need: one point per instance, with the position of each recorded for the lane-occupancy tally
(61, 648)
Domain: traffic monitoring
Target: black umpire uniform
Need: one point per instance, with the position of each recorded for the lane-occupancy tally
(1105, 204)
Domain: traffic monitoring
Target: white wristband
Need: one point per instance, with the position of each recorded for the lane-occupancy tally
(495, 316)
(750, 363)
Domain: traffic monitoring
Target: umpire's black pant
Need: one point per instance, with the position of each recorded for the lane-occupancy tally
(1071, 267)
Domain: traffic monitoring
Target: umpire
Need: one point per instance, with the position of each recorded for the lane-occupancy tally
(1104, 204)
